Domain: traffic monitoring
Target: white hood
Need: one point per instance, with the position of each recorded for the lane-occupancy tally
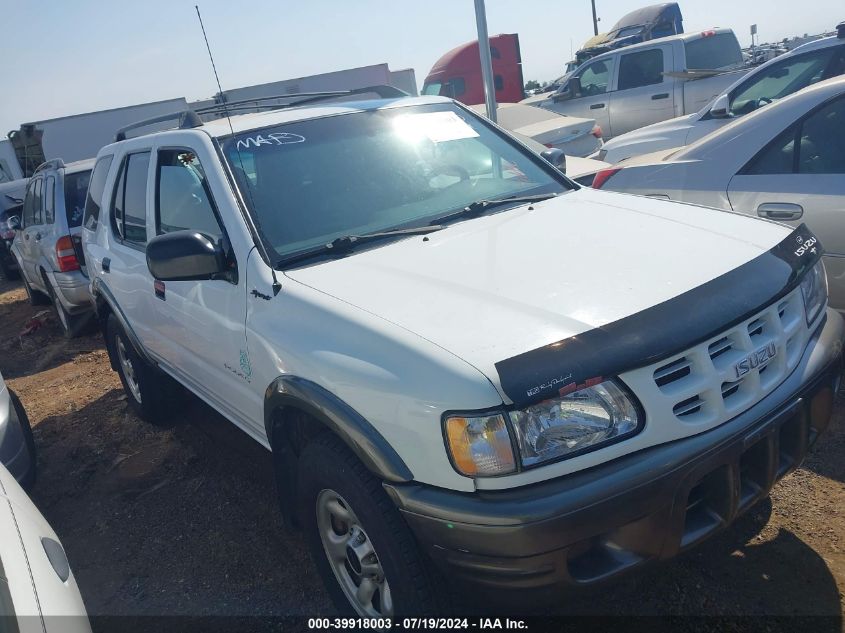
(491, 288)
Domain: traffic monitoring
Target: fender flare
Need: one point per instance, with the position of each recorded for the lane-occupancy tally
(362, 438)
(102, 294)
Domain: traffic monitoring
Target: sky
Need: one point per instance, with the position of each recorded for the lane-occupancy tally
(61, 57)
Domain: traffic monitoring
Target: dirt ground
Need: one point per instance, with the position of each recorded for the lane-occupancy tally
(183, 520)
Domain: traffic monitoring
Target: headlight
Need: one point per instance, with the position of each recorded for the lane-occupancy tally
(581, 420)
(480, 446)
(814, 291)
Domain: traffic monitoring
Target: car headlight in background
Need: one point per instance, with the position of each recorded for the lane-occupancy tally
(480, 445)
(580, 420)
(814, 291)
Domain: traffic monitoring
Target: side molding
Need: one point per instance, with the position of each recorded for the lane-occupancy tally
(357, 433)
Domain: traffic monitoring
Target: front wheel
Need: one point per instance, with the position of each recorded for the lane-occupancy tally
(366, 554)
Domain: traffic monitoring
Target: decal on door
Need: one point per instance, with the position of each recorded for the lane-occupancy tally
(244, 372)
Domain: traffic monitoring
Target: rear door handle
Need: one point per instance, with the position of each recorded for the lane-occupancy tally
(106, 264)
(38, 237)
(780, 211)
(662, 95)
(597, 106)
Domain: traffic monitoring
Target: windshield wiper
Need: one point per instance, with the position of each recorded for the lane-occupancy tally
(479, 206)
(346, 243)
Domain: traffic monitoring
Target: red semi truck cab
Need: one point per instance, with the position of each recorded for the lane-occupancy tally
(458, 73)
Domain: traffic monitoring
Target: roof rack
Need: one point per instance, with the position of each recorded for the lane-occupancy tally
(191, 118)
(187, 119)
(383, 91)
(55, 163)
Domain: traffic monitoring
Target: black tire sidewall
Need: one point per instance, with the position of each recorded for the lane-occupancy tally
(160, 396)
(28, 480)
(327, 464)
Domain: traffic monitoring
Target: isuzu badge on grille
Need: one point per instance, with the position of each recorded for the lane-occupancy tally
(755, 359)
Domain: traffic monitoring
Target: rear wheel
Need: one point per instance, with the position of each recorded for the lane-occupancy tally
(72, 324)
(7, 271)
(366, 554)
(36, 297)
(154, 396)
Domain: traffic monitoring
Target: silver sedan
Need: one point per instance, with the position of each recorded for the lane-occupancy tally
(785, 162)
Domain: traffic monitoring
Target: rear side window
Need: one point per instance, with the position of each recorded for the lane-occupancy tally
(455, 87)
(95, 192)
(183, 199)
(641, 69)
(815, 145)
(130, 199)
(781, 79)
(38, 202)
(29, 205)
(50, 200)
(712, 52)
(76, 186)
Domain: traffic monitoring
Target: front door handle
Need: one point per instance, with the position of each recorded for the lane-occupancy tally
(780, 211)
(597, 106)
(106, 264)
(662, 95)
(38, 237)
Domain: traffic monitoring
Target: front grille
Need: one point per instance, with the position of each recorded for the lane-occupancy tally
(701, 387)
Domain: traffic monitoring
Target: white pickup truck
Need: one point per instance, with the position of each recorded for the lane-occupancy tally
(469, 369)
(638, 85)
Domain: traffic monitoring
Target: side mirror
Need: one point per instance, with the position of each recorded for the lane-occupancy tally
(574, 85)
(556, 157)
(719, 109)
(184, 256)
(14, 223)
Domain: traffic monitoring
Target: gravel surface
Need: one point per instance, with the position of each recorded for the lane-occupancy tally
(184, 521)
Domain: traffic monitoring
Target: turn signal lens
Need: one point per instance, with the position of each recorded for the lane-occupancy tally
(596, 131)
(480, 446)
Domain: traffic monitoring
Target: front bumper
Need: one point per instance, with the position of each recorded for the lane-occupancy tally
(14, 450)
(597, 523)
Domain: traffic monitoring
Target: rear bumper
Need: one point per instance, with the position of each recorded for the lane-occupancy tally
(72, 290)
(595, 524)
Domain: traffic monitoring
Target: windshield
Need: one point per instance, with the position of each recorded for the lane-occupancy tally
(76, 186)
(312, 181)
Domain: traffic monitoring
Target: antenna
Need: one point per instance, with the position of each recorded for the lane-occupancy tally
(276, 285)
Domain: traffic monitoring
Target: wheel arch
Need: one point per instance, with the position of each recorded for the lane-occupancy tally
(105, 304)
(290, 402)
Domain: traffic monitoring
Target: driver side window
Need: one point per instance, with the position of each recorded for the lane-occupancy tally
(183, 198)
(595, 78)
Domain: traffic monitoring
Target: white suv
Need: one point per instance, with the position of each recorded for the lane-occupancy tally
(456, 355)
(46, 244)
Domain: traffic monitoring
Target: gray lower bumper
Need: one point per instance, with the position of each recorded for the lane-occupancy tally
(595, 524)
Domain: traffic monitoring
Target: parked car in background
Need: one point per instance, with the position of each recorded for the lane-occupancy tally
(645, 83)
(38, 591)
(801, 67)
(581, 170)
(366, 335)
(785, 162)
(45, 246)
(11, 204)
(17, 446)
(576, 137)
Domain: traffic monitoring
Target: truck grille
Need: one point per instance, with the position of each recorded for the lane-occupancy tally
(702, 387)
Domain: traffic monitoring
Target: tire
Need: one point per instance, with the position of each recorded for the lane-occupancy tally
(28, 478)
(154, 396)
(36, 297)
(9, 273)
(71, 325)
(337, 493)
